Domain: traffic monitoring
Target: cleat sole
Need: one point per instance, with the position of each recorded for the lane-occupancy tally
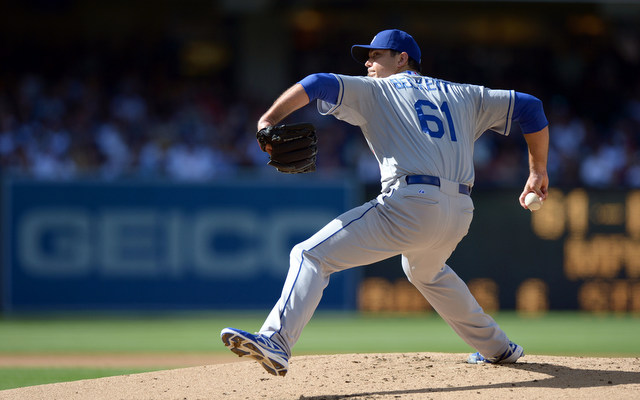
(254, 348)
(242, 347)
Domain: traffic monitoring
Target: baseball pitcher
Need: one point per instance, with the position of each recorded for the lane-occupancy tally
(421, 130)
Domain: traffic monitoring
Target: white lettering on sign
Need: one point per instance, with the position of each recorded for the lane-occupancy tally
(146, 243)
(55, 243)
(238, 258)
(128, 243)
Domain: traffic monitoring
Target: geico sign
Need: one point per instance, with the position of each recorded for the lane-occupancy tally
(144, 243)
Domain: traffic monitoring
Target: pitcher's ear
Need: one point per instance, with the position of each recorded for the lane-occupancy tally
(403, 59)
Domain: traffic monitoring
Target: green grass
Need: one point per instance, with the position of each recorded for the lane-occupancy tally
(558, 333)
(563, 333)
(11, 378)
(111, 334)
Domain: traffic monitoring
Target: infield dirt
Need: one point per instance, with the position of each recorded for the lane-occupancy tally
(366, 376)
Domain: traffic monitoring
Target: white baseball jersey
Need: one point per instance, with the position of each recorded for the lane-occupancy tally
(438, 125)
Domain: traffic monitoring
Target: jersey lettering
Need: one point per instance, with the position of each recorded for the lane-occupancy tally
(420, 83)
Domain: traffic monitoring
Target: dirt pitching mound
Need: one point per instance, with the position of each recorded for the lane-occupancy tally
(366, 376)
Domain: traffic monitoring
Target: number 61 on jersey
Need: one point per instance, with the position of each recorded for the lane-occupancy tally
(424, 119)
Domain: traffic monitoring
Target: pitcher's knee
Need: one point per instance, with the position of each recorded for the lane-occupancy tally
(309, 259)
(296, 253)
(300, 253)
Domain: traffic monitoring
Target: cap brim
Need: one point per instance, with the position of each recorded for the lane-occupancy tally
(360, 52)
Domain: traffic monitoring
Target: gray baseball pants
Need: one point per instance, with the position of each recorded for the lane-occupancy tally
(422, 222)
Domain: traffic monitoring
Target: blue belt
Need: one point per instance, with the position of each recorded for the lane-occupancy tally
(435, 181)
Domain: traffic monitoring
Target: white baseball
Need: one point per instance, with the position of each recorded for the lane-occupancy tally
(532, 201)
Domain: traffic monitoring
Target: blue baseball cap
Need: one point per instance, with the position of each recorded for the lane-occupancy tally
(392, 39)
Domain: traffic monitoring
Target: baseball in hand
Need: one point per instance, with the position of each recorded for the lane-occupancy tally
(532, 201)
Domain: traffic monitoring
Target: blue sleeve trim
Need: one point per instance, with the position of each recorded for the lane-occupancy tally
(340, 90)
(528, 111)
(507, 127)
(321, 86)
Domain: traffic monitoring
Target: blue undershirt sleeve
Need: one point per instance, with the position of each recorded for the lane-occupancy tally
(321, 86)
(528, 111)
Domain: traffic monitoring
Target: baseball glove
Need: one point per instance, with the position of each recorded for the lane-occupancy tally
(293, 148)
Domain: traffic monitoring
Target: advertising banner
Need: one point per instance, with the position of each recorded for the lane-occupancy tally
(142, 245)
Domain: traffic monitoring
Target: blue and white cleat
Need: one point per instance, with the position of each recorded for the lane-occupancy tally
(510, 356)
(259, 347)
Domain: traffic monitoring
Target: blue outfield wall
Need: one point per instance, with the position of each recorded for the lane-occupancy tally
(140, 245)
(157, 246)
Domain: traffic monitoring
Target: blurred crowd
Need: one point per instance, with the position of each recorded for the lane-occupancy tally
(155, 125)
(87, 126)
